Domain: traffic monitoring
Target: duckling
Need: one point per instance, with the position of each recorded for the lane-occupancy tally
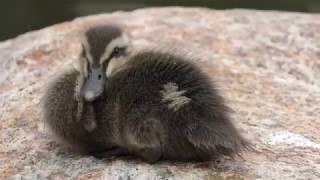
(155, 105)
(67, 106)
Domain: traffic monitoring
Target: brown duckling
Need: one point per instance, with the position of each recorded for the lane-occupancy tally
(155, 105)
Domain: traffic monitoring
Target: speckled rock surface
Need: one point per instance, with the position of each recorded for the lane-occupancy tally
(267, 65)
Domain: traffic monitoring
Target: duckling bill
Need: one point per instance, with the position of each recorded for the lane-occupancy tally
(93, 84)
(153, 105)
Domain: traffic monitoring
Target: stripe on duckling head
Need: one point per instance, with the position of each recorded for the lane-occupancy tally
(86, 48)
(121, 41)
(115, 64)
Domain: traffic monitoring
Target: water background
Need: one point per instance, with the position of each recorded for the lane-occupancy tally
(19, 16)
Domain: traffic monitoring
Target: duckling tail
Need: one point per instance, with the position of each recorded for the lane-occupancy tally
(214, 139)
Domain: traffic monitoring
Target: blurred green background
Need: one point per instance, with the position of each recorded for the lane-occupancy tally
(19, 16)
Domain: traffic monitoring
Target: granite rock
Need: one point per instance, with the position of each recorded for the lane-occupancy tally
(267, 65)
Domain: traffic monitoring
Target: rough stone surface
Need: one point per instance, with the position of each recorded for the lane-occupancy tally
(267, 65)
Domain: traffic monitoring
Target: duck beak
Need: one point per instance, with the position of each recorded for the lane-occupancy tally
(94, 84)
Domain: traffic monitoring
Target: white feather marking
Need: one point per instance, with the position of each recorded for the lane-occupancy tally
(171, 94)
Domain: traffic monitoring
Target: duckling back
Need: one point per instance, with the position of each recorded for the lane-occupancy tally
(165, 107)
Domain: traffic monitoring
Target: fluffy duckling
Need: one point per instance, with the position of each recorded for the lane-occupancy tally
(154, 105)
(67, 106)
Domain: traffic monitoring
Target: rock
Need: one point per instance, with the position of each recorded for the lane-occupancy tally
(267, 65)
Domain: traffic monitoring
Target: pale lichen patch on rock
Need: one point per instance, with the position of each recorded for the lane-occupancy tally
(289, 138)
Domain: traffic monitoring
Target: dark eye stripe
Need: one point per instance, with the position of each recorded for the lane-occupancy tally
(118, 51)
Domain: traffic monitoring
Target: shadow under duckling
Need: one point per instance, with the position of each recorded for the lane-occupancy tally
(154, 105)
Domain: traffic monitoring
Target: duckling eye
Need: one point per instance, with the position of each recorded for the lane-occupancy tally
(116, 51)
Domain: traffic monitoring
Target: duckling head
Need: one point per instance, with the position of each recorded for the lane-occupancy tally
(104, 51)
